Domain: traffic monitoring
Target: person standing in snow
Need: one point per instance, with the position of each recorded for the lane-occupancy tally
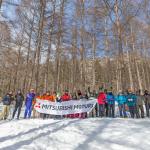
(121, 100)
(84, 97)
(19, 98)
(106, 104)
(147, 102)
(66, 97)
(94, 94)
(131, 103)
(101, 99)
(49, 96)
(139, 105)
(7, 100)
(74, 96)
(111, 104)
(28, 103)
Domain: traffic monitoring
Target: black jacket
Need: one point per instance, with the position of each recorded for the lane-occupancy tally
(19, 98)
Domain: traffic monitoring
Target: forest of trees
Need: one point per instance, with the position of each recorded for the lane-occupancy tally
(74, 44)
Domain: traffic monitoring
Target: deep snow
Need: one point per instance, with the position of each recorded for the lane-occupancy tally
(75, 134)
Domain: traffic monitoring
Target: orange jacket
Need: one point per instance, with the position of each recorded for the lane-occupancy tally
(49, 98)
(43, 97)
(39, 97)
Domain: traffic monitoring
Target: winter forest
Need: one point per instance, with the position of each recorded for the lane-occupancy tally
(74, 44)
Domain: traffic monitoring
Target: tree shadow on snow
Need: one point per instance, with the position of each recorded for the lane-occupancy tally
(10, 137)
(108, 143)
(91, 136)
(29, 141)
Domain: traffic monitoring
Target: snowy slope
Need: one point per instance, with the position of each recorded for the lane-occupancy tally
(75, 134)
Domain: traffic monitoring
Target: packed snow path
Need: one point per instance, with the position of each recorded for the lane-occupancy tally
(75, 134)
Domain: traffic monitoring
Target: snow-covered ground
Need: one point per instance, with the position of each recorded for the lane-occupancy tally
(75, 134)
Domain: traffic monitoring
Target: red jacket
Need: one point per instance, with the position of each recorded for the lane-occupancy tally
(101, 98)
(65, 97)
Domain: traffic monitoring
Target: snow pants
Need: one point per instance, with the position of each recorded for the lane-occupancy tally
(111, 110)
(106, 109)
(17, 107)
(5, 112)
(139, 111)
(147, 106)
(122, 110)
(132, 111)
(101, 110)
(95, 111)
(28, 111)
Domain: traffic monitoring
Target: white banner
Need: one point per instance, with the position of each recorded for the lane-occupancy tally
(64, 108)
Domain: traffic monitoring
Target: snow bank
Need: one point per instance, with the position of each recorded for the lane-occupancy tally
(75, 134)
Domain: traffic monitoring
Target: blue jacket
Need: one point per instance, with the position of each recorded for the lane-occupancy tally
(131, 99)
(110, 98)
(8, 98)
(29, 98)
(121, 99)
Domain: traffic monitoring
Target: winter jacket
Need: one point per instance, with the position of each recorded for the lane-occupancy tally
(19, 98)
(66, 97)
(101, 98)
(29, 99)
(8, 98)
(49, 98)
(121, 99)
(110, 98)
(147, 99)
(39, 97)
(131, 99)
(140, 100)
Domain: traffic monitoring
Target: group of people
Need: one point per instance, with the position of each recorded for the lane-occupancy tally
(134, 105)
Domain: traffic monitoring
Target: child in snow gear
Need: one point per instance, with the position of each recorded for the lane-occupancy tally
(111, 104)
(19, 98)
(139, 105)
(7, 100)
(28, 103)
(147, 102)
(121, 100)
(131, 102)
